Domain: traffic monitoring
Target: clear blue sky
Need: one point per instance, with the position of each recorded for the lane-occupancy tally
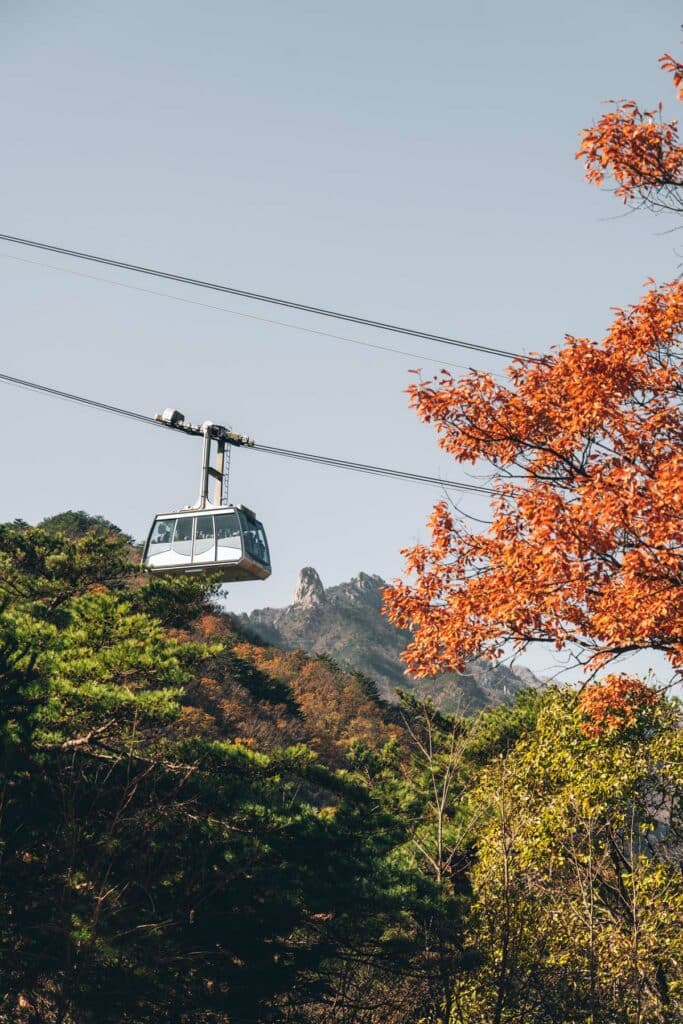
(409, 162)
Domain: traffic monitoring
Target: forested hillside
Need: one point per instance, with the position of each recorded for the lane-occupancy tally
(196, 828)
(346, 622)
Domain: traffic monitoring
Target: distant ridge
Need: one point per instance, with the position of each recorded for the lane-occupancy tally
(345, 622)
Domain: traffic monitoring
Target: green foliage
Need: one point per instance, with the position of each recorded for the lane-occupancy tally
(147, 877)
(177, 602)
(497, 730)
(22, 687)
(578, 908)
(198, 830)
(76, 524)
(368, 686)
(41, 570)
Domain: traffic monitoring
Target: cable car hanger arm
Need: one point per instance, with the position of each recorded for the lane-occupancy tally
(175, 419)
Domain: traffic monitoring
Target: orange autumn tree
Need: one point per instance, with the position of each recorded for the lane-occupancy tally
(638, 151)
(620, 703)
(585, 546)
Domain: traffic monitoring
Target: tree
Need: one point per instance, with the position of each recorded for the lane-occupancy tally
(578, 906)
(76, 524)
(155, 865)
(440, 841)
(638, 151)
(578, 898)
(585, 547)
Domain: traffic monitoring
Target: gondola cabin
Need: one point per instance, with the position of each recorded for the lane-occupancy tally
(226, 542)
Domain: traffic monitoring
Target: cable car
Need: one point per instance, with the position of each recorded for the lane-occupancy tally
(228, 542)
(214, 539)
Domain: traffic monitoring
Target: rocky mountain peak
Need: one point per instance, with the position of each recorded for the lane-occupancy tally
(366, 582)
(364, 589)
(309, 590)
(345, 621)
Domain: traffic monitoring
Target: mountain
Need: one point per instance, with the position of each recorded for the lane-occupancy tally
(345, 622)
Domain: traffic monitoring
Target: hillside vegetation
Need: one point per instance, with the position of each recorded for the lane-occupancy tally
(198, 828)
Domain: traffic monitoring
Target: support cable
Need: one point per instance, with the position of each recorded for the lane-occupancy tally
(260, 297)
(420, 358)
(323, 460)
